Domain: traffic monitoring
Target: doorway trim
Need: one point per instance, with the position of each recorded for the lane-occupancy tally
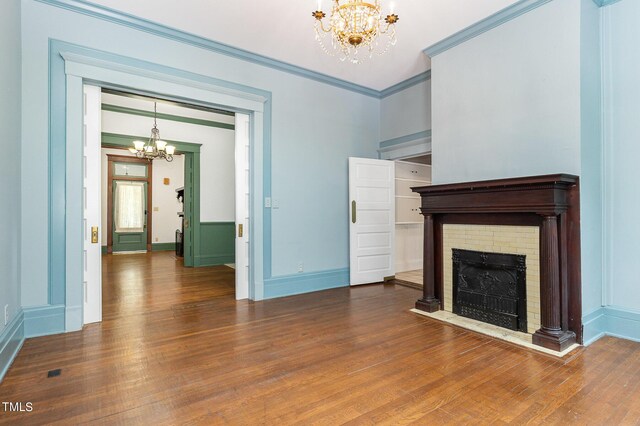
(111, 160)
(71, 66)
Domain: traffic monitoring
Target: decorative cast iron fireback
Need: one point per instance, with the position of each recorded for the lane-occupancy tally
(490, 287)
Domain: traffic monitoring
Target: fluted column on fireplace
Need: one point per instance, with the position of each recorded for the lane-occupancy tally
(429, 301)
(551, 335)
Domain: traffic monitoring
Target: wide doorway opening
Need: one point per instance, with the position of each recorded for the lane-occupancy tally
(168, 210)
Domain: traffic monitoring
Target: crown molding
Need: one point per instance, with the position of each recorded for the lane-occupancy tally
(121, 18)
(603, 3)
(412, 81)
(164, 116)
(519, 8)
(141, 24)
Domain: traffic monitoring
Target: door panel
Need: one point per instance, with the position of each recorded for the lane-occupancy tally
(242, 206)
(92, 264)
(372, 225)
(130, 218)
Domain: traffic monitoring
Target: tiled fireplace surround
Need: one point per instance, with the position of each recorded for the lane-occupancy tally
(522, 240)
(536, 216)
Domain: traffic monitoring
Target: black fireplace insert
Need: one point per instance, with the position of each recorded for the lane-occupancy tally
(490, 287)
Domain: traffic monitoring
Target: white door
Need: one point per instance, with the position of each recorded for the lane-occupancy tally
(92, 252)
(371, 220)
(242, 206)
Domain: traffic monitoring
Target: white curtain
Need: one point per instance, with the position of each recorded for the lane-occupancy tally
(129, 205)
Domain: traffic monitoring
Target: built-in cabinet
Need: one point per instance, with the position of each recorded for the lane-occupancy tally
(409, 221)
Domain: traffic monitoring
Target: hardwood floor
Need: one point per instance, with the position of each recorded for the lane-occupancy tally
(176, 348)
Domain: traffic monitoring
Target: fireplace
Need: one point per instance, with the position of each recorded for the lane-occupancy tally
(490, 287)
(549, 203)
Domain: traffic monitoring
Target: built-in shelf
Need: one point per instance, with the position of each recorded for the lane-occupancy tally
(409, 222)
(428, 182)
(409, 175)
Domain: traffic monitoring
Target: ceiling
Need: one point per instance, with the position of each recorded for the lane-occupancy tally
(283, 30)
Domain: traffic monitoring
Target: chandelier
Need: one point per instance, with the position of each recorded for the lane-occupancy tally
(355, 25)
(154, 147)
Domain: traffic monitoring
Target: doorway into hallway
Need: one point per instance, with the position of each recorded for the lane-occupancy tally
(187, 205)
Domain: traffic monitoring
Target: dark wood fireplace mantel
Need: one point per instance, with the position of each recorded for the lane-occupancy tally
(550, 202)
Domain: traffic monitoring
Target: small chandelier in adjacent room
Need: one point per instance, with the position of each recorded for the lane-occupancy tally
(154, 147)
(356, 28)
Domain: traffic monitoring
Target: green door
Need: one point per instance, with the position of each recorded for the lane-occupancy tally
(129, 215)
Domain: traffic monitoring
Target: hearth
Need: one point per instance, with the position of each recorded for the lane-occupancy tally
(490, 287)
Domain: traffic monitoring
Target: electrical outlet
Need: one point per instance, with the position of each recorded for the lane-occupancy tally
(267, 202)
(300, 267)
(275, 204)
(6, 314)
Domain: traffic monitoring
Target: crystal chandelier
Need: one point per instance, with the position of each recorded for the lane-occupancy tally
(355, 25)
(154, 147)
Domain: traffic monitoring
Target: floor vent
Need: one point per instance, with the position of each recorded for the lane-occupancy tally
(54, 373)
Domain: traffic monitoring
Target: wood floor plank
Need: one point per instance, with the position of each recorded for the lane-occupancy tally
(175, 347)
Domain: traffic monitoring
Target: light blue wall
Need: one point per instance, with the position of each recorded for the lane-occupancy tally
(315, 127)
(11, 334)
(591, 157)
(622, 136)
(507, 102)
(10, 159)
(406, 112)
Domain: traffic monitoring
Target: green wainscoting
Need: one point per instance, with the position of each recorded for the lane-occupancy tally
(154, 247)
(217, 244)
(163, 247)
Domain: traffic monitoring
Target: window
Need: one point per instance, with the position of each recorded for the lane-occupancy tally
(129, 206)
(130, 169)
